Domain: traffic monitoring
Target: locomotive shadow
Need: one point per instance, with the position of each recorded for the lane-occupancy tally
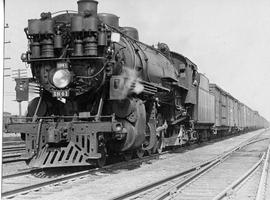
(61, 171)
(130, 165)
(58, 171)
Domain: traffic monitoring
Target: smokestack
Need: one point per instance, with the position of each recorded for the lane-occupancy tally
(88, 6)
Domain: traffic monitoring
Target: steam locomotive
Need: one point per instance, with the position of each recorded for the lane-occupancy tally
(105, 93)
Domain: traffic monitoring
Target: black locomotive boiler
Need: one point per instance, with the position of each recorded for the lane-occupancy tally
(103, 92)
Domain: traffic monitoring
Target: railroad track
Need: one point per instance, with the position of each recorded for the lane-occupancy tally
(24, 189)
(13, 150)
(254, 186)
(214, 178)
(22, 172)
(35, 185)
(12, 143)
(39, 183)
(15, 155)
(12, 158)
(263, 180)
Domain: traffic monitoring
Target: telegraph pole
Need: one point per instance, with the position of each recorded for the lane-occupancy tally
(20, 103)
(6, 58)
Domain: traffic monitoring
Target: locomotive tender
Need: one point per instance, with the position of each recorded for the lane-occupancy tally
(103, 92)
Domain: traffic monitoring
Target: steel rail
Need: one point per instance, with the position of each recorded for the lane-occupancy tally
(83, 173)
(13, 146)
(73, 175)
(29, 171)
(212, 165)
(173, 189)
(236, 183)
(5, 150)
(77, 175)
(13, 149)
(198, 169)
(12, 143)
(13, 160)
(263, 179)
(152, 156)
(8, 151)
(11, 156)
(151, 185)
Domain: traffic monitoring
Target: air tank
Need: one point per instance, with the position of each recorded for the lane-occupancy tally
(110, 19)
(76, 23)
(131, 32)
(47, 26)
(90, 24)
(34, 26)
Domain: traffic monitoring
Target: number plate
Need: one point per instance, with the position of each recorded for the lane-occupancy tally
(60, 93)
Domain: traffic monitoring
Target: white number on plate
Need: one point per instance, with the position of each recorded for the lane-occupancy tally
(61, 93)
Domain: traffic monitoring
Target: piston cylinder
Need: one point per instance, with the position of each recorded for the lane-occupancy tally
(87, 5)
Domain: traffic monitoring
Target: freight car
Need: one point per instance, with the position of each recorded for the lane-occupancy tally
(231, 115)
(104, 93)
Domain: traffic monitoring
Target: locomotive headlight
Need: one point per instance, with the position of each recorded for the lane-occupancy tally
(61, 78)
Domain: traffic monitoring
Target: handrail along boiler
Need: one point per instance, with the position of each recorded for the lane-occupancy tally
(103, 92)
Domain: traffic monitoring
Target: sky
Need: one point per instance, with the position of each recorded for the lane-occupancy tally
(229, 40)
